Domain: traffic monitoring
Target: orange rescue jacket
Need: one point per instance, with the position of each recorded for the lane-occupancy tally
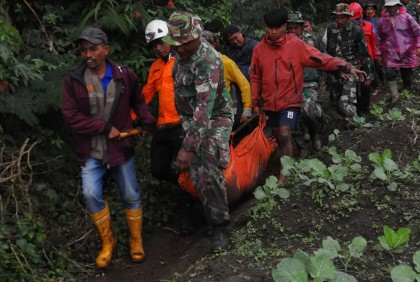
(160, 81)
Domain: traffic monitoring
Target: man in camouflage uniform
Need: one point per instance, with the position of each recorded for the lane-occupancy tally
(311, 109)
(346, 40)
(204, 105)
(411, 8)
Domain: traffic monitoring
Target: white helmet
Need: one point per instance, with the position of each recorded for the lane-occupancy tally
(155, 29)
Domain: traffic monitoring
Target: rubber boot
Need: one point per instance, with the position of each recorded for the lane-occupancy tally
(393, 88)
(185, 215)
(220, 238)
(102, 221)
(135, 226)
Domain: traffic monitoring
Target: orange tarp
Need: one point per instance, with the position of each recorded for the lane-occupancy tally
(247, 162)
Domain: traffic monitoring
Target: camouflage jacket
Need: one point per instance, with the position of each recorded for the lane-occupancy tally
(201, 97)
(310, 75)
(413, 10)
(350, 45)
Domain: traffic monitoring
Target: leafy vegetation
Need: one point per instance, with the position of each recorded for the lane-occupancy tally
(46, 234)
(386, 169)
(44, 231)
(320, 266)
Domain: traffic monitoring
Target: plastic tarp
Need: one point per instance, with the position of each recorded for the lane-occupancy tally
(247, 163)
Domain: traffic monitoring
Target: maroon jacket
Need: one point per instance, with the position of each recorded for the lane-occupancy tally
(76, 112)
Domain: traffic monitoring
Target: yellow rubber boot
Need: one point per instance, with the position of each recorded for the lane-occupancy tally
(135, 225)
(102, 221)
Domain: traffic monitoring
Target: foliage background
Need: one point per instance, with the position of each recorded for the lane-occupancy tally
(44, 229)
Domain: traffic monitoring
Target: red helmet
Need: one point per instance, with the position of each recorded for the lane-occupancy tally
(356, 9)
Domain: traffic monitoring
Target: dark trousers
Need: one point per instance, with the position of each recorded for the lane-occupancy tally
(363, 98)
(406, 75)
(166, 143)
(380, 75)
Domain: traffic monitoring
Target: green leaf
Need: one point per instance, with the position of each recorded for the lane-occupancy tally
(332, 246)
(350, 155)
(393, 186)
(343, 277)
(390, 165)
(304, 258)
(21, 243)
(5, 53)
(289, 270)
(356, 167)
(403, 273)
(416, 260)
(259, 193)
(376, 158)
(287, 164)
(271, 182)
(357, 246)
(317, 167)
(335, 156)
(282, 193)
(322, 267)
(380, 174)
(338, 172)
(343, 187)
(387, 154)
(395, 241)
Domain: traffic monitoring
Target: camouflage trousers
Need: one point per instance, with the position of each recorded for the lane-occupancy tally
(207, 172)
(311, 107)
(346, 98)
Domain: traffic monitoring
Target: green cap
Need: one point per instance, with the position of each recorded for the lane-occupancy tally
(183, 27)
(295, 17)
(342, 9)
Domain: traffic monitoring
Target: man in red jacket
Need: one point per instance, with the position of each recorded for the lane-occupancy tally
(277, 77)
(98, 96)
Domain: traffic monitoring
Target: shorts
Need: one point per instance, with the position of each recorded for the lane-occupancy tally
(289, 117)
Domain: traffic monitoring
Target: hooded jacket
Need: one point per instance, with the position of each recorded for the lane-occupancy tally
(277, 71)
(398, 38)
(76, 111)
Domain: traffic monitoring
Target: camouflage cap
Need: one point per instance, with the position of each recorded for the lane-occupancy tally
(342, 9)
(183, 27)
(295, 17)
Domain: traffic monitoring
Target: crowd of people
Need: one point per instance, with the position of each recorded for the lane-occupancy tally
(204, 91)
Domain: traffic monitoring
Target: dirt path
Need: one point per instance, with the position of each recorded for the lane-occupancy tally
(167, 253)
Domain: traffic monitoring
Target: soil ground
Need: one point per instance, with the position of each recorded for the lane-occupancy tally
(302, 221)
